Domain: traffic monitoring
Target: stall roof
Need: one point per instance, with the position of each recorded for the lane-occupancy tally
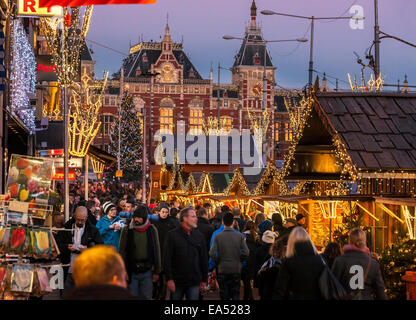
(300, 198)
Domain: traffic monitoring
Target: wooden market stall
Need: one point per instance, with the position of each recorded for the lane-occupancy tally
(358, 145)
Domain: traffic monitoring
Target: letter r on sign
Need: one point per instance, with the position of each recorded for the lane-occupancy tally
(29, 4)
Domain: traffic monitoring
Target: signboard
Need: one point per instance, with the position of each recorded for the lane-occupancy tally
(30, 8)
(59, 174)
(119, 173)
(46, 70)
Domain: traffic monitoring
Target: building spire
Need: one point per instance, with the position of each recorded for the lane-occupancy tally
(253, 10)
(167, 40)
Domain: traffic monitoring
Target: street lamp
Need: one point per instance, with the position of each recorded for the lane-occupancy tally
(227, 37)
(312, 18)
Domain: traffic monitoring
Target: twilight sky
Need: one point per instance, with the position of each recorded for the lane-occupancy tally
(202, 23)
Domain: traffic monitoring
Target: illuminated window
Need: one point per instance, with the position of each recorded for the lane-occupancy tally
(166, 120)
(288, 132)
(228, 123)
(276, 132)
(107, 121)
(196, 120)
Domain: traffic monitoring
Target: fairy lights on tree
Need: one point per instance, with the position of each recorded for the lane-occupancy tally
(23, 75)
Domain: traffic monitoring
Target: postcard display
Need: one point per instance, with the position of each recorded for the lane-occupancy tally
(27, 247)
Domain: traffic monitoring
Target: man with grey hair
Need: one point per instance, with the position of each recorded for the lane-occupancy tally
(186, 258)
(82, 235)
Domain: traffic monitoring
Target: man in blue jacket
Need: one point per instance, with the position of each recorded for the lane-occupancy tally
(110, 225)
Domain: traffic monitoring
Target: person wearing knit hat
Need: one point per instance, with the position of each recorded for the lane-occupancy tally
(265, 225)
(140, 249)
(110, 225)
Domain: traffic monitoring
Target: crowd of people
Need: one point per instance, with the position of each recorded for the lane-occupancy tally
(168, 252)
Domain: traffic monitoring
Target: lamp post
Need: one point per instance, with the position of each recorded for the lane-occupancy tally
(264, 104)
(312, 19)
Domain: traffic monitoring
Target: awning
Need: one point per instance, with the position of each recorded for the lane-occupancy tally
(101, 155)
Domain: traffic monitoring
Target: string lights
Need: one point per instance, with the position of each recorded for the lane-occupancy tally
(66, 38)
(84, 119)
(271, 182)
(237, 185)
(23, 76)
(213, 127)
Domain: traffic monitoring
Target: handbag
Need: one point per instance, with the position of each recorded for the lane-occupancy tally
(330, 287)
(359, 294)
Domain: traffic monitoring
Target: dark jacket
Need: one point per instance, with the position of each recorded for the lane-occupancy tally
(267, 276)
(91, 218)
(298, 275)
(262, 255)
(241, 223)
(89, 238)
(163, 227)
(227, 251)
(100, 292)
(373, 285)
(186, 258)
(127, 249)
(250, 267)
(206, 229)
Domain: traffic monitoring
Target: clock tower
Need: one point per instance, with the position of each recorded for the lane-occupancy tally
(248, 68)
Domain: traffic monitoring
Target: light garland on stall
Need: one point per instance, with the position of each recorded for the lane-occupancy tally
(191, 184)
(270, 177)
(97, 165)
(205, 183)
(237, 183)
(22, 76)
(260, 124)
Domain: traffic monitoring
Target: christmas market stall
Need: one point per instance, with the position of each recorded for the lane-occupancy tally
(361, 146)
(28, 250)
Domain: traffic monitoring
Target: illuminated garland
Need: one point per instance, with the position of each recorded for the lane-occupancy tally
(176, 174)
(205, 183)
(97, 165)
(51, 109)
(318, 229)
(84, 120)
(344, 160)
(23, 75)
(212, 127)
(190, 184)
(237, 183)
(296, 112)
(299, 187)
(65, 38)
(260, 124)
(372, 84)
(297, 135)
(270, 176)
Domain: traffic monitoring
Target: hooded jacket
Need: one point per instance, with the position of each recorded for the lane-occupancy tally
(110, 237)
(373, 285)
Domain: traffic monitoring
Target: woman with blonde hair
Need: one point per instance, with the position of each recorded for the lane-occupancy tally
(300, 270)
(357, 271)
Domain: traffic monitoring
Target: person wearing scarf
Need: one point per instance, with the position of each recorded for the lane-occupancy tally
(140, 249)
(357, 271)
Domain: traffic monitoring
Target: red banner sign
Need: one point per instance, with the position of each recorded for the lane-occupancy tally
(59, 174)
(80, 3)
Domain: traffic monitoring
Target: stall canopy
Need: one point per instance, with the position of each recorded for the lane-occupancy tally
(102, 155)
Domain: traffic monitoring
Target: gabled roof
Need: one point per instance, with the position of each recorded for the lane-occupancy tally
(252, 45)
(144, 58)
(271, 182)
(356, 132)
(86, 53)
(237, 185)
(378, 130)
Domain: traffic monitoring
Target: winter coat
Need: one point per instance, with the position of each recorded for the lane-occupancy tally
(186, 258)
(127, 249)
(267, 276)
(228, 249)
(373, 286)
(298, 277)
(100, 292)
(90, 238)
(250, 267)
(241, 223)
(163, 227)
(206, 229)
(110, 237)
(262, 255)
